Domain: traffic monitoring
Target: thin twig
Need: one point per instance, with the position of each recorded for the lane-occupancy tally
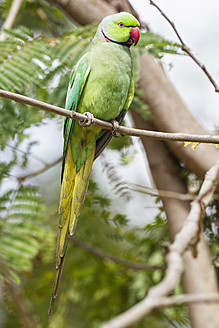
(9, 22)
(24, 152)
(186, 48)
(214, 139)
(103, 255)
(46, 167)
(188, 234)
(159, 192)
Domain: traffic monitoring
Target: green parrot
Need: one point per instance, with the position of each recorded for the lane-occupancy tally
(101, 85)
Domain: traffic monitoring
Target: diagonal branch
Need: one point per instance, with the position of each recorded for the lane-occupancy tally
(159, 192)
(188, 235)
(186, 48)
(103, 255)
(214, 139)
(24, 152)
(163, 302)
(185, 299)
(46, 167)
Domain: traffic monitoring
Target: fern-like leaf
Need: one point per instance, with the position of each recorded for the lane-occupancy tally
(21, 229)
(158, 45)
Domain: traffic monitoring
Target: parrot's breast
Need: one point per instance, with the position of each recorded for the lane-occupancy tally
(108, 83)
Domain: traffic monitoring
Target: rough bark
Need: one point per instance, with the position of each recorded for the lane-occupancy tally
(89, 11)
(199, 276)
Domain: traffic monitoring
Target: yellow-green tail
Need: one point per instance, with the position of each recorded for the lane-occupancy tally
(73, 190)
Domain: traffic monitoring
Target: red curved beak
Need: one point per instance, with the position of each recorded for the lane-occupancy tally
(135, 35)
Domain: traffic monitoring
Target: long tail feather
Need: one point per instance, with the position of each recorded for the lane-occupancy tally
(73, 190)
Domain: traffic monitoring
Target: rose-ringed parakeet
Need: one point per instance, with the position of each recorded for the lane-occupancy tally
(101, 84)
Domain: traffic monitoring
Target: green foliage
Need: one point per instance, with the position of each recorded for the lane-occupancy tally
(21, 230)
(211, 223)
(119, 186)
(38, 15)
(140, 105)
(158, 45)
(5, 168)
(14, 119)
(26, 67)
(121, 143)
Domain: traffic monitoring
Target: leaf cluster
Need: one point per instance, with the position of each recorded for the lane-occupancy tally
(38, 15)
(158, 45)
(21, 230)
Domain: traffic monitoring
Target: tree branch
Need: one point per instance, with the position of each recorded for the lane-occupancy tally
(165, 172)
(186, 48)
(103, 255)
(213, 139)
(163, 302)
(46, 167)
(186, 299)
(175, 269)
(159, 192)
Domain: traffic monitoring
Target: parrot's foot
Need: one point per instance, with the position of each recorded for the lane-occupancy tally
(87, 121)
(115, 125)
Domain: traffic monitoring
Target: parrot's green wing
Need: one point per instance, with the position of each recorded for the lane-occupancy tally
(73, 183)
(77, 82)
(103, 141)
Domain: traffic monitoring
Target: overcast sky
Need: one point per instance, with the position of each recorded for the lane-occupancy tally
(198, 24)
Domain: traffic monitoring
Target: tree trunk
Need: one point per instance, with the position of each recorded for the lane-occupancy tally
(199, 276)
(171, 115)
(89, 11)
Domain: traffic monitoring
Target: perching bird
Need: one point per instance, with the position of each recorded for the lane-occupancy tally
(101, 85)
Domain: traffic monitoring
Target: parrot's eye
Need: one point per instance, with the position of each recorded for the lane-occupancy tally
(121, 24)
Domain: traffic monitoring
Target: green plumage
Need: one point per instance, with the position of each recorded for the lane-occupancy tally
(102, 84)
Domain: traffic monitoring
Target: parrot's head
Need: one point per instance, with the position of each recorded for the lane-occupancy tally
(122, 28)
